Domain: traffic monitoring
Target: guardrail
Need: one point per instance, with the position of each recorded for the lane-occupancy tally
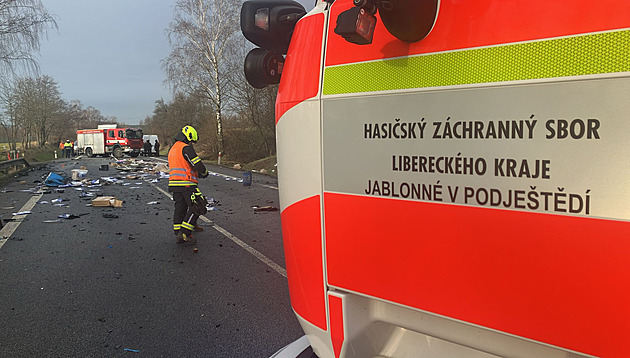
(18, 164)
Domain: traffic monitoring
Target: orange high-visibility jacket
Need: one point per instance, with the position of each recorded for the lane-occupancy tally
(181, 171)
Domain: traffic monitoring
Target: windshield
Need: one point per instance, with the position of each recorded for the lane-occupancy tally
(134, 133)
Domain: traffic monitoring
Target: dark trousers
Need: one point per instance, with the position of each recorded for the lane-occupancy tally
(184, 219)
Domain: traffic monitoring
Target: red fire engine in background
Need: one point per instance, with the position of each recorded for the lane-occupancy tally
(109, 140)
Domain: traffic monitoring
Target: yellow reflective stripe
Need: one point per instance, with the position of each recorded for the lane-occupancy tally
(177, 226)
(180, 183)
(590, 54)
(195, 160)
(188, 226)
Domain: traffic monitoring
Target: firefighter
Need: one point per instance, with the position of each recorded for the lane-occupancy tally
(185, 167)
(67, 146)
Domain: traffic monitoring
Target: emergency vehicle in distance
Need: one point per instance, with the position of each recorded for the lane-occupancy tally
(107, 139)
(453, 173)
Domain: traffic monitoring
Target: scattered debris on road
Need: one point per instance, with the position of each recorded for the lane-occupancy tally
(107, 201)
(264, 208)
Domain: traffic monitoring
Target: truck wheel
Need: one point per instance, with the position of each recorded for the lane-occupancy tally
(89, 152)
(118, 152)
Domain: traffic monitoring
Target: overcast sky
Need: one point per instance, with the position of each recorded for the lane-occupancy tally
(108, 54)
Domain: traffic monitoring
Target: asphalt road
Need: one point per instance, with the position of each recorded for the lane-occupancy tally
(112, 282)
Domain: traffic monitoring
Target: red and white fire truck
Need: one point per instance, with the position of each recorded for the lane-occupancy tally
(453, 173)
(109, 140)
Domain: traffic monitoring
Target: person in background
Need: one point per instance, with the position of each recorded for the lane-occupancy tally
(156, 146)
(67, 147)
(62, 149)
(147, 148)
(185, 168)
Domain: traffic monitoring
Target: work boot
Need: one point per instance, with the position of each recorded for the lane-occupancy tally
(179, 238)
(198, 228)
(188, 238)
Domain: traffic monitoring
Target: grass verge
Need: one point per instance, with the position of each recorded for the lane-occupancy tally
(265, 165)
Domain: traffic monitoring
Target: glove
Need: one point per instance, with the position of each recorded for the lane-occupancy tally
(199, 202)
(205, 174)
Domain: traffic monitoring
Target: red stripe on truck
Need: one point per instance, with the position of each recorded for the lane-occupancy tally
(301, 234)
(337, 334)
(300, 76)
(556, 279)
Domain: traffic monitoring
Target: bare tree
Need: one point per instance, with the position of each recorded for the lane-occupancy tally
(37, 108)
(201, 36)
(23, 23)
(49, 109)
(8, 119)
(169, 117)
(73, 117)
(257, 107)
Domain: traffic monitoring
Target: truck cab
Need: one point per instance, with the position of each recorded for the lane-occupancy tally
(124, 140)
(452, 174)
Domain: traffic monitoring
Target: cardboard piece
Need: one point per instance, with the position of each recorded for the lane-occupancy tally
(162, 167)
(107, 201)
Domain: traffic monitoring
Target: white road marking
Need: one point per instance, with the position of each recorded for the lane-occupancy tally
(268, 186)
(10, 227)
(264, 259)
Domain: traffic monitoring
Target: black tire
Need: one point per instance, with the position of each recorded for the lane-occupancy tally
(118, 152)
(134, 154)
(89, 152)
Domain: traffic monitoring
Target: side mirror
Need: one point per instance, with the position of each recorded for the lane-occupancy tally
(269, 24)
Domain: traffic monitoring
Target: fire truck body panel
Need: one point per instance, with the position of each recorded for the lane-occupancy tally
(463, 195)
(91, 140)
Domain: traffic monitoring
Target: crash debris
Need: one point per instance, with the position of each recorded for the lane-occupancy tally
(107, 201)
(264, 208)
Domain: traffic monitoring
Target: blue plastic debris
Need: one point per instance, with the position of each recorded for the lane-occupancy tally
(247, 178)
(132, 350)
(54, 179)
